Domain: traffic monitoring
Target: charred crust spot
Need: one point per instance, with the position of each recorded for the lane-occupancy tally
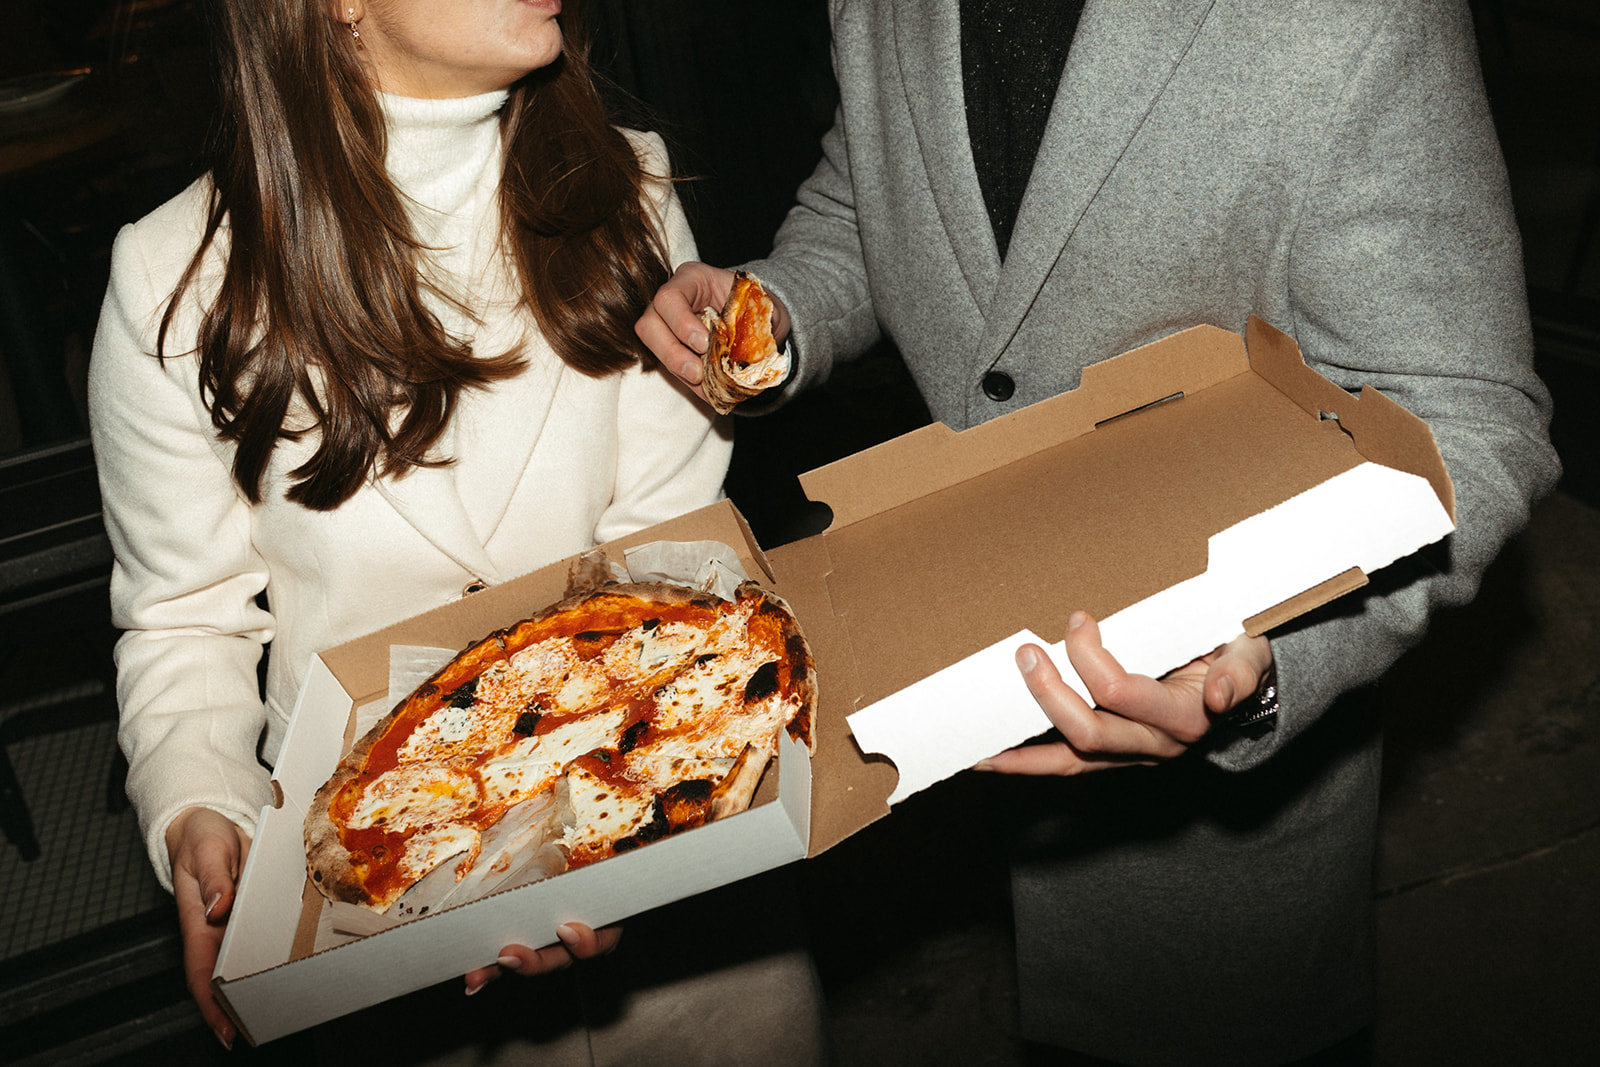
(316, 876)
(795, 646)
(768, 608)
(655, 829)
(590, 643)
(633, 735)
(683, 805)
(649, 624)
(763, 683)
(627, 844)
(463, 695)
(527, 722)
(693, 789)
(705, 657)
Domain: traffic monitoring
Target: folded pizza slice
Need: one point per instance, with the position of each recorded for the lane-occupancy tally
(742, 357)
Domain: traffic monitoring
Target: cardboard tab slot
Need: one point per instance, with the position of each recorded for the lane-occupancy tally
(1312, 598)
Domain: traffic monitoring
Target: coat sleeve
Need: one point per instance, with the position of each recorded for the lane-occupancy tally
(185, 577)
(818, 269)
(673, 452)
(1407, 275)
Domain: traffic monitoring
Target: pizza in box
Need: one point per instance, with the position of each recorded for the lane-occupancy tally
(602, 723)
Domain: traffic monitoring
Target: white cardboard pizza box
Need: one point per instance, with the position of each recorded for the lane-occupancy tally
(1201, 492)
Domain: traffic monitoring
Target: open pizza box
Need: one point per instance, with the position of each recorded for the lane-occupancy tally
(1185, 492)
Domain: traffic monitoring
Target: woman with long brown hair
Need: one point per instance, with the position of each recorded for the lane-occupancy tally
(379, 357)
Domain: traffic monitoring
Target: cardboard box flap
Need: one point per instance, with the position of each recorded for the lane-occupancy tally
(1360, 520)
(936, 457)
(1110, 513)
(1097, 521)
(1383, 431)
(849, 788)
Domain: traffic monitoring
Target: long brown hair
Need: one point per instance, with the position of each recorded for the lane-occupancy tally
(321, 298)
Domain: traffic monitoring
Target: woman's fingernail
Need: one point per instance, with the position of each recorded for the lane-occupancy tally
(1076, 619)
(510, 963)
(568, 935)
(225, 1042)
(213, 902)
(1026, 658)
(472, 990)
(983, 765)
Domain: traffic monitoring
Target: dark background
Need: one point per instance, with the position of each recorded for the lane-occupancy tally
(743, 92)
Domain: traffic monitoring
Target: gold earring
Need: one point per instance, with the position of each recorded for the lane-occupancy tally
(355, 33)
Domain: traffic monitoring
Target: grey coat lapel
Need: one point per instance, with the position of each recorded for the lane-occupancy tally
(928, 46)
(1118, 66)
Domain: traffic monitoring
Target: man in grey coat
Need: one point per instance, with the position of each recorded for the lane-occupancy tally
(1327, 165)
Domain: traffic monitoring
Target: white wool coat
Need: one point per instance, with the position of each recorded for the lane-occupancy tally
(546, 464)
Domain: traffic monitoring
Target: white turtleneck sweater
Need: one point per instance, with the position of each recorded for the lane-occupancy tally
(437, 156)
(546, 465)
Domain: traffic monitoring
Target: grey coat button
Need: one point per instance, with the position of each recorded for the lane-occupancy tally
(997, 385)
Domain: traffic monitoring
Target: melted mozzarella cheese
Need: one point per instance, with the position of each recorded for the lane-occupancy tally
(584, 687)
(532, 671)
(464, 728)
(529, 766)
(428, 850)
(602, 812)
(707, 703)
(416, 794)
(659, 767)
(665, 644)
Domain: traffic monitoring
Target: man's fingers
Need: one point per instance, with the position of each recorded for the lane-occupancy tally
(1113, 688)
(669, 349)
(1101, 737)
(1171, 705)
(671, 326)
(1056, 758)
(1235, 672)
